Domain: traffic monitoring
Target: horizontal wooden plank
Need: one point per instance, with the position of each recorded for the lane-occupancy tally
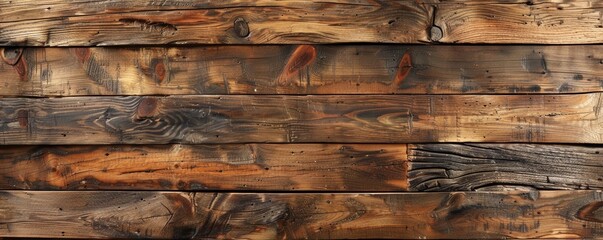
(303, 167)
(546, 214)
(520, 21)
(303, 69)
(106, 22)
(276, 167)
(85, 23)
(573, 118)
(469, 167)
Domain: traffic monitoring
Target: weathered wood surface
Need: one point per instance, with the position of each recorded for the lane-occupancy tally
(301, 69)
(521, 21)
(85, 23)
(270, 167)
(546, 214)
(571, 118)
(106, 22)
(470, 167)
(303, 167)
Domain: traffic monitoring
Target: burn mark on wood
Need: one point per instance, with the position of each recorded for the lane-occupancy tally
(162, 28)
(301, 57)
(404, 68)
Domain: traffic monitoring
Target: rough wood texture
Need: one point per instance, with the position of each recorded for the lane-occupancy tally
(106, 22)
(85, 23)
(572, 118)
(302, 69)
(275, 167)
(521, 21)
(546, 214)
(470, 167)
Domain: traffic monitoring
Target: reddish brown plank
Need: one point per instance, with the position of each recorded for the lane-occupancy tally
(268, 167)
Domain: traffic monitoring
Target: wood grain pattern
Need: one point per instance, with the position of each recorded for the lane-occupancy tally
(106, 22)
(470, 167)
(545, 214)
(573, 118)
(520, 21)
(85, 23)
(270, 167)
(301, 69)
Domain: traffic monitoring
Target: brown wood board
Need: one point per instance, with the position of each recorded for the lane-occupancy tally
(474, 215)
(301, 69)
(265, 167)
(570, 118)
(84, 23)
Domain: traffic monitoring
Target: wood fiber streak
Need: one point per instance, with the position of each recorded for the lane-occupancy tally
(105, 22)
(276, 167)
(531, 21)
(470, 167)
(475, 215)
(301, 69)
(573, 118)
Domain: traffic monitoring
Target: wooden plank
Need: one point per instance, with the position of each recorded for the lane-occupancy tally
(274, 167)
(302, 69)
(470, 167)
(571, 118)
(106, 22)
(520, 21)
(85, 23)
(545, 214)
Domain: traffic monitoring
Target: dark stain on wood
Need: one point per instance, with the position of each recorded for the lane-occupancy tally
(163, 28)
(404, 68)
(241, 28)
(23, 118)
(535, 63)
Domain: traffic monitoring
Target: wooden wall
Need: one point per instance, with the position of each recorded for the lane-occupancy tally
(342, 119)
